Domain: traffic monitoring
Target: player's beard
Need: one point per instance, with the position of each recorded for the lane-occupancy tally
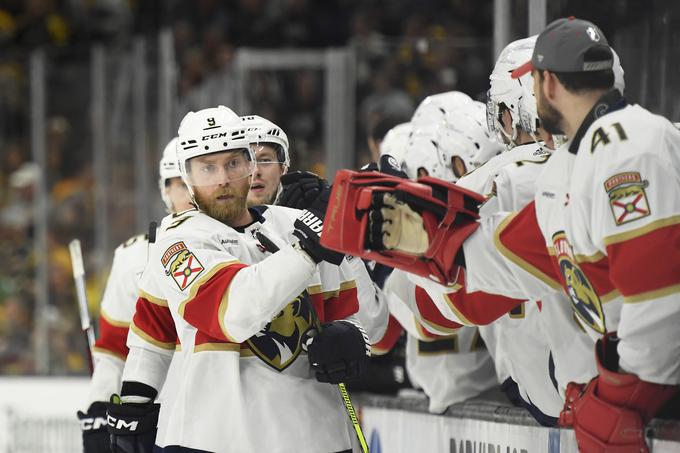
(227, 211)
(551, 118)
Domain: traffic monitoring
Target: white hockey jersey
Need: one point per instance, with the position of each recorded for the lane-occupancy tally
(604, 227)
(449, 365)
(237, 315)
(116, 310)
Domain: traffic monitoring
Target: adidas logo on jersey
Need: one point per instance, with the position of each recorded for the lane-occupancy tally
(313, 222)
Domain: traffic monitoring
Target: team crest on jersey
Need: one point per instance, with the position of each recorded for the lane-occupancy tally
(584, 299)
(627, 197)
(181, 265)
(280, 342)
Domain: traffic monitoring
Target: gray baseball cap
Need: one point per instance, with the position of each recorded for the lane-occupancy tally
(563, 45)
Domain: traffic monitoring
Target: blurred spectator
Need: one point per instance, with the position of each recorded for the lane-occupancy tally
(18, 213)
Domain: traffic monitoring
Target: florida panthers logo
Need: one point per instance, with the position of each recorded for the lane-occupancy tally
(280, 342)
(584, 298)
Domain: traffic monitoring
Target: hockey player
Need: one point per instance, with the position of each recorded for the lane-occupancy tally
(448, 362)
(117, 308)
(240, 315)
(604, 218)
(270, 145)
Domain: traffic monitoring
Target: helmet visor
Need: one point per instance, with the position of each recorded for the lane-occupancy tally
(220, 168)
(267, 153)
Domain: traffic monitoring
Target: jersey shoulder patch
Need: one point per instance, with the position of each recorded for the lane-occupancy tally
(627, 197)
(181, 264)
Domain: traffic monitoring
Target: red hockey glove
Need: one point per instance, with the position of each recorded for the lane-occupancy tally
(418, 227)
(609, 414)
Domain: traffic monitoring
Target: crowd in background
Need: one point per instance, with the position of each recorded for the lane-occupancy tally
(403, 54)
(404, 51)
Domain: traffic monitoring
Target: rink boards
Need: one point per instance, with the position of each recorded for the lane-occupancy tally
(37, 415)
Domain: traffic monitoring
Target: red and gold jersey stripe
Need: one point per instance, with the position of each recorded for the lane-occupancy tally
(520, 240)
(208, 300)
(644, 264)
(389, 339)
(112, 337)
(153, 322)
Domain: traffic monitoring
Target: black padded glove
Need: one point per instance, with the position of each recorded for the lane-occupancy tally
(387, 165)
(132, 425)
(338, 352)
(300, 189)
(93, 425)
(390, 166)
(308, 228)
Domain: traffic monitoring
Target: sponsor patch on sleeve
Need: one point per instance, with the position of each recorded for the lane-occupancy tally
(181, 264)
(627, 197)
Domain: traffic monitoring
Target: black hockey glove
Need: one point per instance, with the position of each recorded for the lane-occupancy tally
(339, 352)
(300, 189)
(387, 165)
(93, 426)
(308, 228)
(390, 166)
(132, 425)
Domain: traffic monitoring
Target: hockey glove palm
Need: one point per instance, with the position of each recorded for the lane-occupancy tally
(132, 425)
(93, 425)
(393, 225)
(339, 352)
(300, 189)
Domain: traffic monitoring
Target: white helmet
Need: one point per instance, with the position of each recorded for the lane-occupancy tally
(433, 108)
(396, 140)
(210, 131)
(619, 82)
(261, 130)
(168, 169)
(516, 95)
(470, 121)
(433, 149)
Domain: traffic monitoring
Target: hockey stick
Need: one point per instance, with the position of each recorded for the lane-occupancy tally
(349, 407)
(79, 279)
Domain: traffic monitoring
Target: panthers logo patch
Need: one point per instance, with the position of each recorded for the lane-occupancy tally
(181, 264)
(627, 197)
(584, 298)
(280, 342)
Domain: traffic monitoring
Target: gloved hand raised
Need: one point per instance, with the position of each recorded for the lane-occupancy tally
(300, 189)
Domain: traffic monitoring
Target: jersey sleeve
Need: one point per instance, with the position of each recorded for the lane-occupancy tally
(636, 220)
(372, 311)
(507, 255)
(115, 315)
(402, 297)
(224, 298)
(390, 337)
(152, 337)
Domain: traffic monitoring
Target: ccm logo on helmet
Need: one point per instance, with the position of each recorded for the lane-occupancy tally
(313, 222)
(213, 136)
(118, 423)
